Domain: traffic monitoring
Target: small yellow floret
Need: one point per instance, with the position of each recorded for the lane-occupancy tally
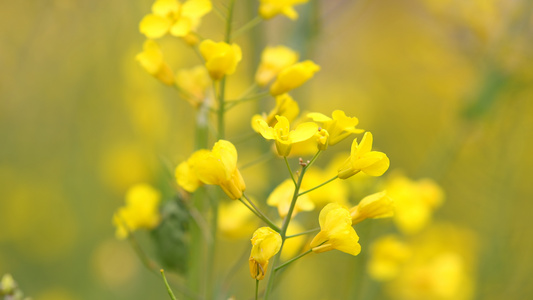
(339, 126)
(375, 206)
(151, 59)
(362, 159)
(271, 8)
(221, 58)
(265, 244)
(283, 136)
(293, 77)
(336, 231)
(194, 84)
(141, 210)
(273, 60)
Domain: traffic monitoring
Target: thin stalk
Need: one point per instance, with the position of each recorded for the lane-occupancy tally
(228, 21)
(221, 108)
(285, 225)
(251, 206)
(320, 185)
(256, 289)
(290, 170)
(169, 290)
(233, 103)
(244, 28)
(302, 233)
(293, 260)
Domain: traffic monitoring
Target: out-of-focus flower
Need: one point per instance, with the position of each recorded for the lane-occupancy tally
(219, 167)
(375, 206)
(388, 254)
(293, 77)
(141, 210)
(273, 60)
(179, 19)
(194, 84)
(414, 202)
(285, 106)
(339, 126)
(221, 58)
(362, 159)
(186, 172)
(265, 244)
(283, 136)
(151, 59)
(336, 231)
(271, 8)
(334, 192)
(281, 197)
(235, 221)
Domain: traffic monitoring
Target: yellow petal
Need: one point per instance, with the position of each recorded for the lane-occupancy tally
(154, 26)
(303, 132)
(227, 154)
(318, 117)
(196, 8)
(181, 27)
(164, 8)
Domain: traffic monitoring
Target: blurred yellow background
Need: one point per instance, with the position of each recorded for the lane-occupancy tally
(446, 87)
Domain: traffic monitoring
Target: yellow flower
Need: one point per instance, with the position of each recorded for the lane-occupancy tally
(339, 126)
(151, 59)
(219, 167)
(293, 77)
(414, 202)
(336, 231)
(186, 172)
(375, 206)
(285, 106)
(235, 221)
(362, 159)
(281, 197)
(387, 256)
(141, 210)
(271, 8)
(194, 84)
(173, 17)
(221, 58)
(283, 136)
(265, 244)
(273, 60)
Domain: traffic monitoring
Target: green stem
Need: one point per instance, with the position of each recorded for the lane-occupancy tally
(169, 290)
(320, 185)
(259, 214)
(235, 102)
(285, 225)
(290, 170)
(244, 28)
(256, 289)
(302, 233)
(221, 109)
(293, 260)
(228, 21)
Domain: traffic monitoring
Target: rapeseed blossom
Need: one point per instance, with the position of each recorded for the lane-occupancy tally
(285, 106)
(171, 16)
(220, 58)
(362, 159)
(186, 172)
(336, 231)
(141, 210)
(375, 206)
(193, 84)
(414, 201)
(283, 136)
(388, 254)
(151, 59)
(339, 126)
(273, 60)
(265, 244)
(281, 198)
(271, 8)
(219, 167)
(293, 77)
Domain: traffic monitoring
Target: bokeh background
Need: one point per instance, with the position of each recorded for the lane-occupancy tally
(445, 86)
